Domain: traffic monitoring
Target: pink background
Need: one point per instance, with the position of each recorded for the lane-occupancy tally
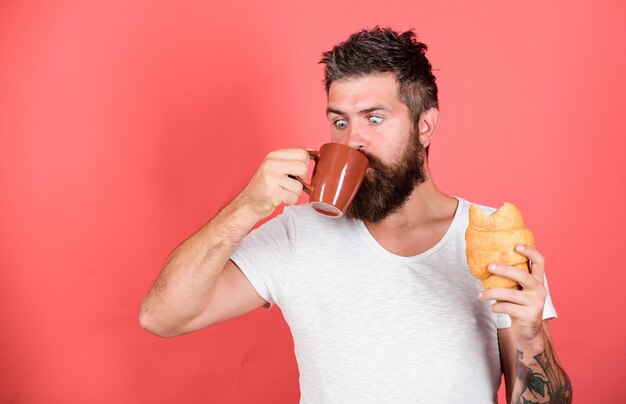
(125, 126)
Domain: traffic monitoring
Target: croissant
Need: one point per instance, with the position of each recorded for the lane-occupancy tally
(492, 239)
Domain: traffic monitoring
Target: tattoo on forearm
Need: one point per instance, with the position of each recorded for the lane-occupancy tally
(546, 383)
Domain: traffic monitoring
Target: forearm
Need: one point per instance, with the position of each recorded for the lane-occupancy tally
(185, 285)
(538, 376)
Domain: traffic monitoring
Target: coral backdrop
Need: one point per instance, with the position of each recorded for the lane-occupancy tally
(126, 125)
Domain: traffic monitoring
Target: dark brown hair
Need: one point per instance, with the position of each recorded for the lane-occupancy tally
(382, 50)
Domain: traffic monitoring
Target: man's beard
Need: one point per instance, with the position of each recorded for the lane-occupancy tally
(386, 188)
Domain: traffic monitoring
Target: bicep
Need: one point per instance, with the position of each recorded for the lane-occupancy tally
(233, 295)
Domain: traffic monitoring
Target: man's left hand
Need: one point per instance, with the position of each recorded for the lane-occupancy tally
(525, 306)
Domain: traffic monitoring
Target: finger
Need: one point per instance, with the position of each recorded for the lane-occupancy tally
(512, 309)
(291, 185)
(288, 167)
(506, 295)
(536, 262)
(295, 153)
(526, 280)
(287, 197)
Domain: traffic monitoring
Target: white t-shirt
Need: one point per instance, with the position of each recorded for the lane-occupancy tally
(370, 326)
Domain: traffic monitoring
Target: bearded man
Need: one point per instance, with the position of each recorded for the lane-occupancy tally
(380, 302)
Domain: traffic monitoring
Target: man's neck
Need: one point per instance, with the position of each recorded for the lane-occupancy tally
(419, 224)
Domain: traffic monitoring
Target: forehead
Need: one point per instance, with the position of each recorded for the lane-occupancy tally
(359, 91)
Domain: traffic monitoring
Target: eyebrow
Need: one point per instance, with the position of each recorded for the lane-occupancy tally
(330, 110)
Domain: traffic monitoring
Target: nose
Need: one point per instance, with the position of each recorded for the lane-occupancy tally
(353, 136)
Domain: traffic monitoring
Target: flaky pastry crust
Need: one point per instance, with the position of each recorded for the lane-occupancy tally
(492, 239)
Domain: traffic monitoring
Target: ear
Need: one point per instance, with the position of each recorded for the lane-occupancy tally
(427, 124)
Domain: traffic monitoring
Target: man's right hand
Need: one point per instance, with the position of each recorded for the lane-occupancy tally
(271, 185)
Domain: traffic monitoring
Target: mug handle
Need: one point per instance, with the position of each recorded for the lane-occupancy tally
(308, 188)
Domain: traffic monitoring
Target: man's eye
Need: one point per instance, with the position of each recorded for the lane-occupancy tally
(341, 123)
(375, 119)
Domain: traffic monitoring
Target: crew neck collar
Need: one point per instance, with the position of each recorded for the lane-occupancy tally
(461, 206)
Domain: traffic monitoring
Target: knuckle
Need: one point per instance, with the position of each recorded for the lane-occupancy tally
(540, 260)
(299, 189)
(303, 169)
(543, 294)
(270, 165)
(525, 276)
(266, 166)
(536, 255)
(304, 155)
(511, 294)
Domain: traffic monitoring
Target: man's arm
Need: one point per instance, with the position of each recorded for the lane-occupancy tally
(533, 375)
(181, 297)
(531, 372)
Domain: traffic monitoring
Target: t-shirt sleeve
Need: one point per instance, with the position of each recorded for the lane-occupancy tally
(504, 321)
(265, 257)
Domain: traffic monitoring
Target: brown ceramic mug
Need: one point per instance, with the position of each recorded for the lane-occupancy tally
(338, 173)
